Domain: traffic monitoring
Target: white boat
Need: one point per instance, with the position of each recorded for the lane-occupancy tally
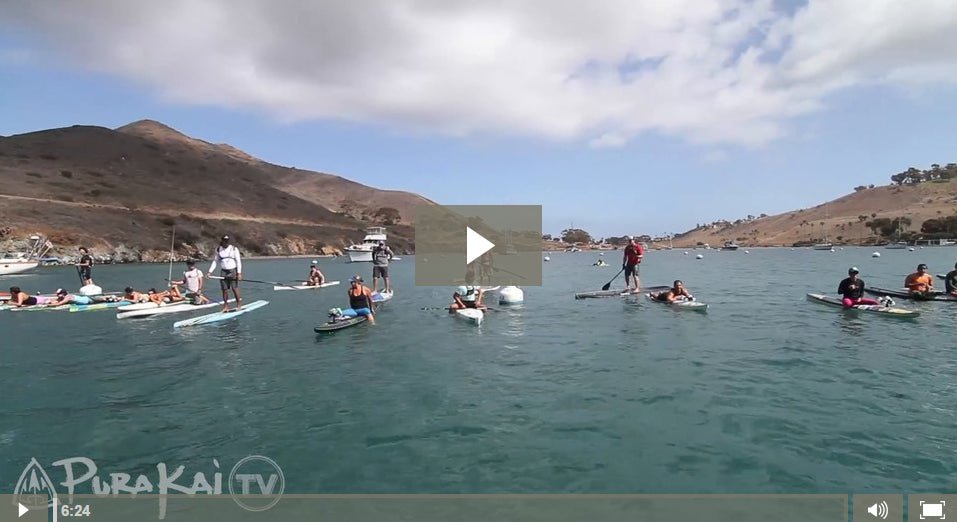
(730, 245)
(899, 245)
(19, 262)
(824, 246)
(362, 253)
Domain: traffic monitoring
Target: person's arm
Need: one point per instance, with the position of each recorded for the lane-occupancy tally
(239, 263)
(369, 300)
(640, 251)
(322, 277)
(202, 281)
(389, 251)
(212, 267)
(842, 287)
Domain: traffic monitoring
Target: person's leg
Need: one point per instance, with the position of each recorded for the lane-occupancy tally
(637, 279)
(867, 301)
(239, 301)
(847, 302)
(385, 277)
(224, 286)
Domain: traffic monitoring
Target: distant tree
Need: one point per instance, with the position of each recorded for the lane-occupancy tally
(870, 186)
(575, 235)
(387, 216)
(765, 215)
(547, 237)
(859, 188)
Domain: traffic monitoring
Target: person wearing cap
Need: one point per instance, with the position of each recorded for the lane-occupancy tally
(920, 283)
(316, 277)
(64, 298)
(360, 300)
(852, 290)
(950, 282)
(194, 281)
(467, 297)
(633, 255)
(381, 255)
(231, 271)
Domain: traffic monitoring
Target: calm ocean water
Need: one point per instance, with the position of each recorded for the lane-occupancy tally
(765, 393)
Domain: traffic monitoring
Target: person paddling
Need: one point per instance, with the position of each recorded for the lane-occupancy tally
(467, 297)
(316, 277)
(195, 281)
(634, 253)
(64, 298)
(131, 295)
(85, 266)
(231, 270)
(920, 283)
(675, 293)
(360, 300)
(381, 255)
(19, 298)
(950, 282)
(852, 290)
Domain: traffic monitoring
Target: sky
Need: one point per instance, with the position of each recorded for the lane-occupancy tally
(618, 116)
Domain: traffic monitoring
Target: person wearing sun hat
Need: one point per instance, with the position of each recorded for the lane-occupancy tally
(316, 278)
(360, 300)
(852, 290)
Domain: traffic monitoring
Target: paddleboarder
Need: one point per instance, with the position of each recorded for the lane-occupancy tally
(381, 255)
(231, 271)
(633, 255)
(85, 266)
(677, 291)
(360, 300)
(920, 283)
(852, 290)
(950, 282)
(194, 280)
(316, 278)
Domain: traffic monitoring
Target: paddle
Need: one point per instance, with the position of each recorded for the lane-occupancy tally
(255, 281)
(172, 243)
(78, 274)
(608, 284)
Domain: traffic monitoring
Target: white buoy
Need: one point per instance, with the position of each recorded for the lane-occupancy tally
(699, 256)
(547, 258)
(911, 249)
(511, 295)
(876, 254)
(747, 251)
(601, 253)
(90, 290)
(686, 252)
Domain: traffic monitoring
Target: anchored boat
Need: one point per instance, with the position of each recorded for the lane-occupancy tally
(18, 262)
(362, 253)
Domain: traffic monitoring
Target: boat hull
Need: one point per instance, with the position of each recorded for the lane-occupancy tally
(16, 267)
(360, 256)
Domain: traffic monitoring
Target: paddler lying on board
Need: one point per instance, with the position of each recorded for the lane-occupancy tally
(316, 278)
(467, 297)
(20, 298)
(64, 298)
(600, 262)
(851, 289)
(950, 282)
(131, 295)
(172, 295)
(360, 300)
(677, 292)
(920, 283)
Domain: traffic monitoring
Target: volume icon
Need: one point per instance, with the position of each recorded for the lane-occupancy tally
(878, 510)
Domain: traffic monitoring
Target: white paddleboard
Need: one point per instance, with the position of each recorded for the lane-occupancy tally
(220, 316)
(304, 286)
(169, 308)
(472, 315)
(381, 297)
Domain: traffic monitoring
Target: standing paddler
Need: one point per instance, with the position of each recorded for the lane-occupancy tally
(231, 270)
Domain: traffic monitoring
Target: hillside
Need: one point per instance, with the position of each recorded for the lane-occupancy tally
(121, 191)
(845, 219)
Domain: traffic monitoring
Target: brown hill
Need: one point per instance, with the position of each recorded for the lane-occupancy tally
(844, 219)
(123, 190)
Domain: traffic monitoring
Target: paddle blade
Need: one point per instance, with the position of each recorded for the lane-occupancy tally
(606, 286)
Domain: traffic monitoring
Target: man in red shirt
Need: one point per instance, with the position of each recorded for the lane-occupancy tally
(633, 255)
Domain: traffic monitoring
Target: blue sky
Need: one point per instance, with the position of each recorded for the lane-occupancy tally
(782, 119)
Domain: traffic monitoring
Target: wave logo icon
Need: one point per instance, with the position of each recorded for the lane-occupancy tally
(34, 488)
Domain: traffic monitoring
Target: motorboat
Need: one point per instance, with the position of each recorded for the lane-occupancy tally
(19, 262)
(362, 253)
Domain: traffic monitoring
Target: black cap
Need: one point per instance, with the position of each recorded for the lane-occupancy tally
(225, 238)
(853, 270)
(922, 266)
(128, 289)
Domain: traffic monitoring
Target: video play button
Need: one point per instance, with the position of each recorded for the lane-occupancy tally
(475, 245)
(21, 510)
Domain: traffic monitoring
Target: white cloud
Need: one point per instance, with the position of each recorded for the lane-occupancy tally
(710, 71)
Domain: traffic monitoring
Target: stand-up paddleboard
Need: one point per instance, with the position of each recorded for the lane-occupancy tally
(97, 306)
(220, 316)
(617, 293)
(903, 293)
(339, 324)
(168, 308)
(471, 315)
(304, 286)
(381, 297)
(876, 309)
(490, 288)
(683, 304)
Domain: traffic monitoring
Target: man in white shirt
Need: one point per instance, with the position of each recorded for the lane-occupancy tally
(194, 281)
(231, 270)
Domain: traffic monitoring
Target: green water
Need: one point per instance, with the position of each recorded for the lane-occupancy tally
(766, 392)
